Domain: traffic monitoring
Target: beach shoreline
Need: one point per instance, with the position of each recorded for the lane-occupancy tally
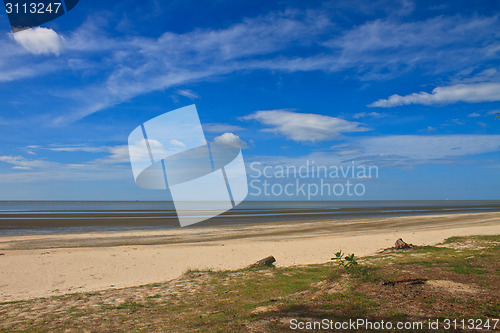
(46, 265)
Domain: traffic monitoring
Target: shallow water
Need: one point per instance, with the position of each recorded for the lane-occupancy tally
(34, 217)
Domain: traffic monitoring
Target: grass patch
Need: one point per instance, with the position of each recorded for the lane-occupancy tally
(467, 269)
(363, 274)
(477, 238)
(130, 306)
(491, 310)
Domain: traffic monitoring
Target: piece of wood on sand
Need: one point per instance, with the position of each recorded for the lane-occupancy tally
(267, 261)
(401, 245)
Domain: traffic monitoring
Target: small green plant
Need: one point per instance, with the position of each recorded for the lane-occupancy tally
(497, 115)
(345, 261)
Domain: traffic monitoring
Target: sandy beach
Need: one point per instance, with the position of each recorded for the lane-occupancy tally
(45, 265)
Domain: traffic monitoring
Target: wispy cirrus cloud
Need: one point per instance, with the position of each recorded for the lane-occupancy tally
(112, 166)
(393, 151)
(221, 128)
(122, 68)
(387, 47)
(474, 115)
(304, 127)
(117, 154)
(143, 65)
(401, 151)
(22, 163)
(76, 149)
(469, 93)
(368, 115)
(420, 149)
(407, 151)
(17, 63)
(188, 93)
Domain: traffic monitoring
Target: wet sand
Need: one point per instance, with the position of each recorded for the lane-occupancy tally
(45, 265)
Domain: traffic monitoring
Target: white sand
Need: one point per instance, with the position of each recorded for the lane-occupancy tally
(45, 272)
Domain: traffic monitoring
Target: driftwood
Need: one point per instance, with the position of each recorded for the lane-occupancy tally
(401, 245)
(267, 261)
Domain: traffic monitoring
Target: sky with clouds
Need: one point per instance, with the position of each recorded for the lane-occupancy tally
(411, 87)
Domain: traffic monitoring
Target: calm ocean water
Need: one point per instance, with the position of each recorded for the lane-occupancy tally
(27, 217)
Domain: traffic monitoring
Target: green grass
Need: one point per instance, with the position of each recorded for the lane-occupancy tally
(465, 268)
(491, 310)
(130, 306)
(478, 238)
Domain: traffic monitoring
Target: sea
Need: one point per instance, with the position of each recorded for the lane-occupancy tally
(45, 217)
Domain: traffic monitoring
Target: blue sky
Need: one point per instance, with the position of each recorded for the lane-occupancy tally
(410, 87)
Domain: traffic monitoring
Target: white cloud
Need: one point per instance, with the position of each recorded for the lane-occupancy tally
(401, 151)
(429, 147)
(136, 65)
(16, 63)
(263, 43)
(231, 139)
(120, 154)
(21, 168)
(390, 151)
(65, 173)
(13, 74)
(388, 47)
(220, 128)
(471, 75)
(40, 40)
(139, 150)
(177, 143)
(22, 163)
(188, 93)
(409, 150)
(77, 149)
(304, 127)
(142, 65)
(368, 114)
(469, 93)
(113, 166)
(117, 154)
(473, 115)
